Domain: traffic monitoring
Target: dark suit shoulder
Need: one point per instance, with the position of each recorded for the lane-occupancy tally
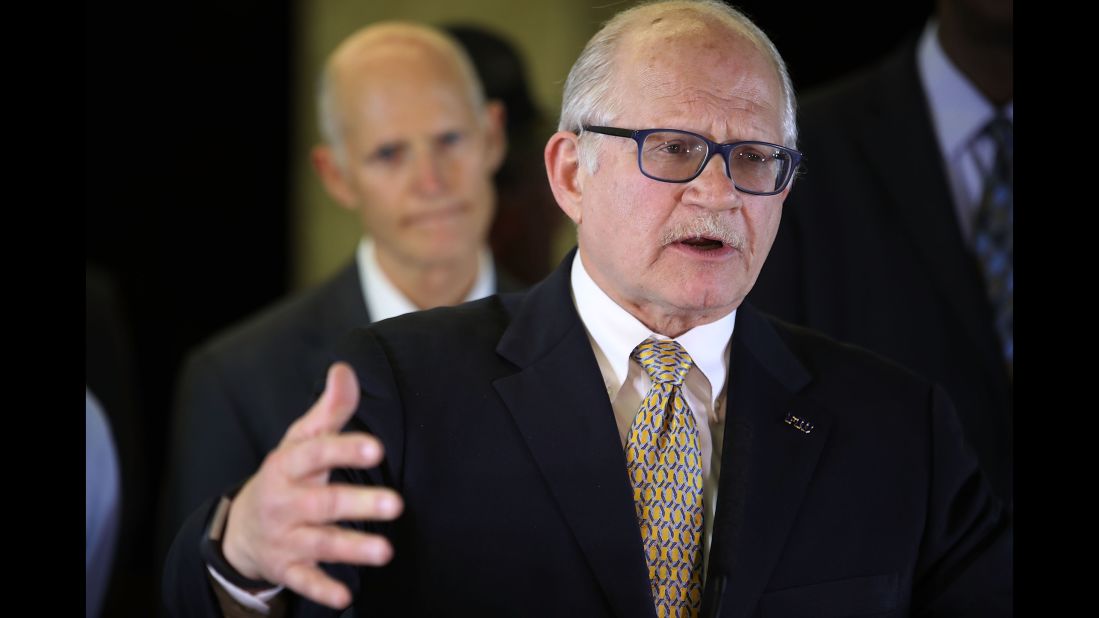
(433, 346)
(894, 447)
(845, 370)
(285, 326)
(480, 322)
(839, 104)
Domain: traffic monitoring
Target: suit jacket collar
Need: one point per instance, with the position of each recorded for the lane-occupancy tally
(335, 309)
(559, 403)
(342, 305)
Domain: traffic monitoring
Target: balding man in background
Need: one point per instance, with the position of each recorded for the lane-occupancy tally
(411, 146)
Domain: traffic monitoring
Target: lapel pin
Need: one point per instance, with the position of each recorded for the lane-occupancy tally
(801, 424)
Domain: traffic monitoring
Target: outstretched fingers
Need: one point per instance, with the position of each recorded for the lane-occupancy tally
(311, 582)
(333, 544)
(304, 460)
(336, 544)
(282, 522)
(333, 503)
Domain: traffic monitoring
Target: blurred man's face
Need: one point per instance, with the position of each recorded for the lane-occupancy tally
(638, 235)
(418, 158)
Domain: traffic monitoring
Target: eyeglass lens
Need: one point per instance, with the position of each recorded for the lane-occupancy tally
(679, 156)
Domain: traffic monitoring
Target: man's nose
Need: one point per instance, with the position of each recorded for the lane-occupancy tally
(429, 174)
(713, 188)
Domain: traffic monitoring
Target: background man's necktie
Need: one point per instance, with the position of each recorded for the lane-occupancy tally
(994, 235)
(665, 467)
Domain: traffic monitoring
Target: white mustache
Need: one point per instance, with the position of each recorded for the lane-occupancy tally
(703, 226)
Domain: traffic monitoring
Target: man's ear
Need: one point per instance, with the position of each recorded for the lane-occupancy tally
(496, 135)
(563, 169)
(333, 176)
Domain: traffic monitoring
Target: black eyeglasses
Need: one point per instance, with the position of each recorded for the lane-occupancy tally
(671, 155)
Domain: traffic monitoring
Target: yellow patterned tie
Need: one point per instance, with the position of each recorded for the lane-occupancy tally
(665, 467)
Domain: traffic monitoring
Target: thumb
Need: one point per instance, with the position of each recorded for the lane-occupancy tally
(333, 409)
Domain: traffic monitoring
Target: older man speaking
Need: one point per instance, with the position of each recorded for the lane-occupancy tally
(608, 444)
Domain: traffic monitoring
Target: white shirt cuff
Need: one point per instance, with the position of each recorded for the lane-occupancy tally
(257, 602)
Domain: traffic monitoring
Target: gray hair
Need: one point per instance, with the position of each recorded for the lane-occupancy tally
(329, 119)
(590, 98)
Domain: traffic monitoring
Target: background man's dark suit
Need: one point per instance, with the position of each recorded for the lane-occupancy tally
(240, 392)
(869, 251)
(500, 437)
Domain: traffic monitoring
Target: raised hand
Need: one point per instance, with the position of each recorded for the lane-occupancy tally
(282, 523)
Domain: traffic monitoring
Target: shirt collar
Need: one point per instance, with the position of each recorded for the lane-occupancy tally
(959, 112)
(615, 333)
(384, 300)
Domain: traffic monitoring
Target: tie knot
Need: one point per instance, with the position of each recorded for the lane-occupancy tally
(664, 360)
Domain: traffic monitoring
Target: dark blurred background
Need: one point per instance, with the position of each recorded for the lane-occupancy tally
(190, 148)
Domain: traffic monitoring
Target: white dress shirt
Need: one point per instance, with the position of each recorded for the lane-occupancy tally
(614, 333)
(384, 300)
(959, 112)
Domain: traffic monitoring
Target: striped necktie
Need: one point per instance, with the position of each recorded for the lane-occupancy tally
(994, 236)
(665, 468)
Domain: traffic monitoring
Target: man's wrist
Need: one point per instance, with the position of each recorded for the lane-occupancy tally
(213, 554)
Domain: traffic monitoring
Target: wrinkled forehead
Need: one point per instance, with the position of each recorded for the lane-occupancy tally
(682, 50)
(688, 65)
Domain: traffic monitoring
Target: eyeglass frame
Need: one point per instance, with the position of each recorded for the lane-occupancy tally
(713, 148)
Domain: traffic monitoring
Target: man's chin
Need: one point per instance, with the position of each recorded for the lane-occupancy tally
(445, 256)
(706, 300)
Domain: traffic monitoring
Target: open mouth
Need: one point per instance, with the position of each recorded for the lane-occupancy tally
(703, 243)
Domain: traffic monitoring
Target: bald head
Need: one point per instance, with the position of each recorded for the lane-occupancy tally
(377, 55)
(411, 146)
(590, 96)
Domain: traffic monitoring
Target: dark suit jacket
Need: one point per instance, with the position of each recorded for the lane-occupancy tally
(500, 436)
(870, 252)
(239, 393)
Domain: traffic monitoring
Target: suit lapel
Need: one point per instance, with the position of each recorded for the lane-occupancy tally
(766, 465)
(338, 307)
(898, 124)
(560, 405)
